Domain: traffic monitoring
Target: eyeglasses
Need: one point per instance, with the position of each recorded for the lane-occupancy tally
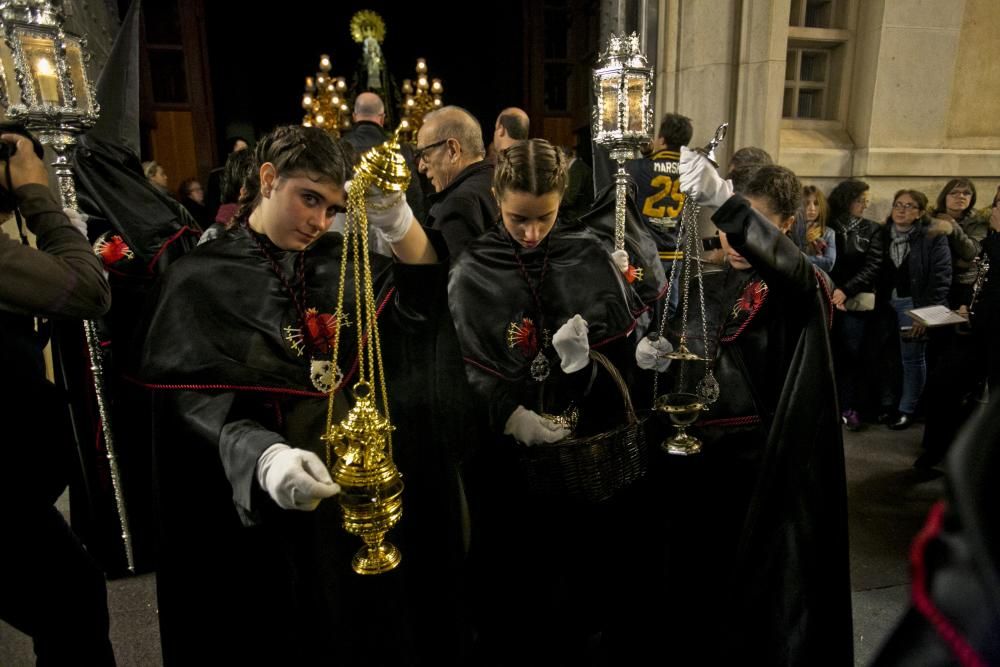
(900, 206)
(960, 193)
(419, 153)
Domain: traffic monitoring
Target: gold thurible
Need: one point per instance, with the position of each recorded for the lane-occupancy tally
(359, 447)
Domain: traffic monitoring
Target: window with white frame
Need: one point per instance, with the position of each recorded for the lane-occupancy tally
(814, 65)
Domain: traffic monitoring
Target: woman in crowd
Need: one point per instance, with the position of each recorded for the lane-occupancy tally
(156, 175)
(810, 231)
(192, 197)
(965, 229)
(531, 298)
(859, 257)
(955, 386)
(254, 565)
(916, 272)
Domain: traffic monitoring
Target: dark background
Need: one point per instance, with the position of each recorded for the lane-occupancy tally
(259, 59)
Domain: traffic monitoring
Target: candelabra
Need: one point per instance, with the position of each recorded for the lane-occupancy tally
(44, 86)
(423, 95)
(324, 102)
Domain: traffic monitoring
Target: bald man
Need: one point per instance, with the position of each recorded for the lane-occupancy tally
(512, 127)
(450, 152)
(368, 132)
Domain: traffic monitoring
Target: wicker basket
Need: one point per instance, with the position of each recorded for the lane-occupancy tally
(591, 468)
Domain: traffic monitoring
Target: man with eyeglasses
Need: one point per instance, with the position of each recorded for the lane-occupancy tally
(450, 153)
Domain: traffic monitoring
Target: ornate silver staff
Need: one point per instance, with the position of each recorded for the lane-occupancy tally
(44, 85)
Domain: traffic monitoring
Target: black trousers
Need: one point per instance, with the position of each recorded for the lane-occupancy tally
(52, 590)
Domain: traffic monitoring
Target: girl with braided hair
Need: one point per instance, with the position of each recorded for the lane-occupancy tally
(531, 299)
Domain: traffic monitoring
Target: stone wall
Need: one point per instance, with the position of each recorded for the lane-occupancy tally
(918, 105)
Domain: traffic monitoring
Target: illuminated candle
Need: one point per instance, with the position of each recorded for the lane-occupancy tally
(48, 83)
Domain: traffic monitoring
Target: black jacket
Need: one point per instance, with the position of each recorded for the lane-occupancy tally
(929, 265)
(859, 256)
(466, 208)
(364, 136)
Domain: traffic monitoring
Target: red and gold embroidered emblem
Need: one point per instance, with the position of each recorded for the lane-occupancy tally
(112, 249)
(316, 334)
(751, 299)
(632, 274)
(523, 336)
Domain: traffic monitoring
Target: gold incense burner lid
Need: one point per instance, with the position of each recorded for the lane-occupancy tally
(384, 167)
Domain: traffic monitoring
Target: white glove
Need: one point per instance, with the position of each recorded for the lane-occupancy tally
(572, 345)
(77, 219)
(649, 353)
(389, 214)
(701, 181)
(530, 428)
(620, 258)
(295, 478)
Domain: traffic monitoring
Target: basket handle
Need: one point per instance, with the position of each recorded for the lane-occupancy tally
(620, 381)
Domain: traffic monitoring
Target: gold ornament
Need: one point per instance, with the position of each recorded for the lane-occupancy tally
(371, 488)
(383, 167)
(359, 447)
(367, 23)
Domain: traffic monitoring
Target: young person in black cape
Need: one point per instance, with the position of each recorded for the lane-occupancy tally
(530, 299)
(756, 523)
(254, 563)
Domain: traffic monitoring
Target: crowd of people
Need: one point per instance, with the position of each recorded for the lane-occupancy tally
(511, 321)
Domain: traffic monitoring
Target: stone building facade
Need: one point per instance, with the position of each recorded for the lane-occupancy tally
(899, 93)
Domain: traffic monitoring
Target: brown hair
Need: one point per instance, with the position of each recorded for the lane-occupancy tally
(780, 186)
(920, 198)
(534, 166)
(295, 150)
(941, 205)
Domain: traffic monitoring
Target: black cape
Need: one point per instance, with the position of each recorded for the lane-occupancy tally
(542, 610)
(488, 294)
(756, 524)
(233, 565)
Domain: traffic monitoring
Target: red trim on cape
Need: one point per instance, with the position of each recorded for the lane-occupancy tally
(922, 601)
(730, 421)
(496, 373)
(163, 248)
(266, 390)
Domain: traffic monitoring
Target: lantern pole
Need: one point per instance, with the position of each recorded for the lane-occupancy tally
(45, 63)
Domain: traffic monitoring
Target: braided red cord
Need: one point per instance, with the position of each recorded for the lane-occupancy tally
(829, 296)
(748, 320)
(962, 650)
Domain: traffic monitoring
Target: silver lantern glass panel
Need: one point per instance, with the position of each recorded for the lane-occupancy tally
(623, 87)
(623, 113)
